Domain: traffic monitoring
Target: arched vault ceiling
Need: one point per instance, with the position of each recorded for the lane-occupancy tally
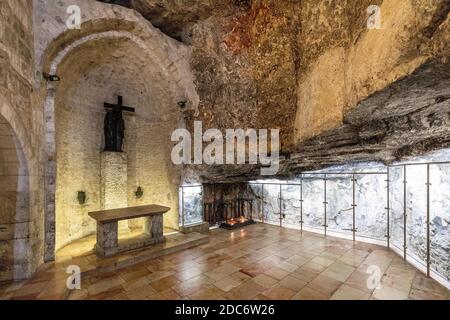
(117, 61)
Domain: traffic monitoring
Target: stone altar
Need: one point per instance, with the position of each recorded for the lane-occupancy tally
(108, 243)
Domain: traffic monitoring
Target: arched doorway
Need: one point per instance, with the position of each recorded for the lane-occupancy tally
(14, 206)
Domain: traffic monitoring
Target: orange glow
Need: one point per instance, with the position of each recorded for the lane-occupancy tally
(234, 221)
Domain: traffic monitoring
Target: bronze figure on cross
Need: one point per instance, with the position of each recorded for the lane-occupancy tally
(115, 125)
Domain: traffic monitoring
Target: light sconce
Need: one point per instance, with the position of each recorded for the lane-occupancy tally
(182, 104)
(139, 193)
(51, 77)
(82, 197)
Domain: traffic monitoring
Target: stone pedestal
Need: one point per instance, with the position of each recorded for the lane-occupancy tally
(153, 226)
(107, 238)
(114, 175)
(199, 227)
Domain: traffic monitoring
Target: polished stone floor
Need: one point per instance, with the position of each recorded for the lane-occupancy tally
(258, 262)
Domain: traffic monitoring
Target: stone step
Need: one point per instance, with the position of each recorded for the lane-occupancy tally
(174, 243)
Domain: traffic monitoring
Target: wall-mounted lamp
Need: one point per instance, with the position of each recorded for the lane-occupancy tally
(139, 193)
(81, 197)
(51, 77)
(182, 104)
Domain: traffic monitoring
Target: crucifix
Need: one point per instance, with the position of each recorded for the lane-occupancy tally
(115, 126)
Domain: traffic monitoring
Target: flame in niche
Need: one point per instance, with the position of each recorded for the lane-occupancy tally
(234, 221)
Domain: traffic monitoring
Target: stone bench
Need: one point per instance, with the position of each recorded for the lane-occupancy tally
(108, 243)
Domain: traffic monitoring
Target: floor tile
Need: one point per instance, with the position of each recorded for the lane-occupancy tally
(277, 273)
(246, 291)
(164, 283)
(346, 292)
(265, 280)
(226, 284)
(279, 292)
(309, 294)
(389, 293)
(339, 271)
(325, 285)
(293, 283)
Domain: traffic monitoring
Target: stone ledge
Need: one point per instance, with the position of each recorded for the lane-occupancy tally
(199, 227)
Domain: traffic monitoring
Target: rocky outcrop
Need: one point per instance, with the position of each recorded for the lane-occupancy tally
(409, 117)
(338, 91)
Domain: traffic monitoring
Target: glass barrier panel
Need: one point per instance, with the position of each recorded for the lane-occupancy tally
(396, 199)
(193, 205)
(313, 198)
(416, 212)
(440, 219)
(291, 206)
(272, 203)
(371, 203)
(340, 199)
(257, 204)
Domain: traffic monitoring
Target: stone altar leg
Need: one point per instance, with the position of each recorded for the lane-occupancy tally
(153, 227)
(107, 238)
(114, 173)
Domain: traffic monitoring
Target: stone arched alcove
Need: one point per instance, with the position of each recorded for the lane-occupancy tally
(152, 72)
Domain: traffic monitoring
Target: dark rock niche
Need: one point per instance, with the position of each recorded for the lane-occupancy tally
(223, 199)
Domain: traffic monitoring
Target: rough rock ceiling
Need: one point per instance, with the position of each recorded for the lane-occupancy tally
(408, 118)
(173, 17)
(252, 55)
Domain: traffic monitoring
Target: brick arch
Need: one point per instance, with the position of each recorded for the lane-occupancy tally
(169, 56)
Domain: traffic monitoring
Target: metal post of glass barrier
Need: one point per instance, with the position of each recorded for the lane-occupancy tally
(301, 203)
(404, 211)
(428, 221)
(213, 206)
(325, 202)
(182, 207)
(354, 206)
(202, 207)
(281, 207)
(262, 203)
(388, 210)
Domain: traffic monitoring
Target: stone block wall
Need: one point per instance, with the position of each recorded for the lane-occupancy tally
(21, 125)
(14, 206)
